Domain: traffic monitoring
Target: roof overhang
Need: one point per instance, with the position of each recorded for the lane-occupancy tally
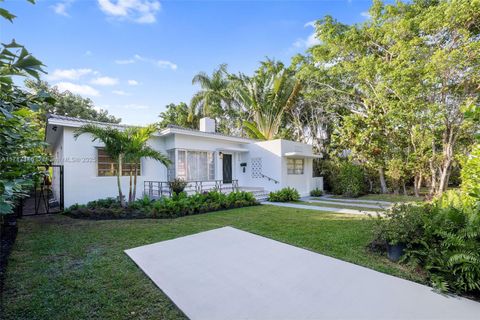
(301, 155)
(168, 131)
(232, 150)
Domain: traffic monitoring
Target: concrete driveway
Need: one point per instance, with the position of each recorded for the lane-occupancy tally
(230, 274)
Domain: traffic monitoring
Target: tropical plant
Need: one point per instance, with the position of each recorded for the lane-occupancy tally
(180, 115)
(177, 185)
(267, 96)
(349, 180)
(115, 145)
(20, 137)
(213, 93)
(284, 195)
(136, 149)
(317, 192)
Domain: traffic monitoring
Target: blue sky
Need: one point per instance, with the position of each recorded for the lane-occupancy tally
(133, 57)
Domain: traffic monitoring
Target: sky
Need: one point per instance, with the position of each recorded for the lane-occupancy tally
(133, 57)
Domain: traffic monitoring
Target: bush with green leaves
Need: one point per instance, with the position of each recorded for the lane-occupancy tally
(442, 237)
(177, 185)
(284, 195)
(317, 192)
(180, 204)
(350, 180)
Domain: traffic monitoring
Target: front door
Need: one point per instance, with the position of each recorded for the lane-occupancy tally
(227, 168)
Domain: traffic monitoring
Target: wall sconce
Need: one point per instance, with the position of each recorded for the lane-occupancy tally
(243, 165)
(54, 128)
(220, 155)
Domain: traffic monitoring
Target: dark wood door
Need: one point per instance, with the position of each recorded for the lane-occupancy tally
(227, 168)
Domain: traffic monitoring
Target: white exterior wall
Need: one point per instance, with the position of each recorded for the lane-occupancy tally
(82, 184)
(301, 182)
(270, 154)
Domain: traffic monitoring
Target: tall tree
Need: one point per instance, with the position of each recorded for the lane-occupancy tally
(69, 104)
(180, 115)
(266, 97)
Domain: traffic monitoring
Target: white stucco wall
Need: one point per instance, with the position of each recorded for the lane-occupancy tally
(82, 184)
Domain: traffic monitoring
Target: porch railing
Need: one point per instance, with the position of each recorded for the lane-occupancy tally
(157, 189)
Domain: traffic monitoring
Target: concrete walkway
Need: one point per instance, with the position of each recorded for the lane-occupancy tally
(231, 274)
(360, 205)
(330, 198)
(318, 208)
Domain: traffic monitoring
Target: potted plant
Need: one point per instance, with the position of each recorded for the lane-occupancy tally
(399, 228)
(177, 185)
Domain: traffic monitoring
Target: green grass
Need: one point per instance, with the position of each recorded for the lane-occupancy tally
(386, 197)
(333, 204)
(63, 268)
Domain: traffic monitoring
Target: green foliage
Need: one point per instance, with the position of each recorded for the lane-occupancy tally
(470, 176)
(180, 115)
(284, 195)
(400, 225)
(20, 136)
(177, 185)
(178, 205)
(68, 104)
(349, 180)
(442, 237)
(316, 192)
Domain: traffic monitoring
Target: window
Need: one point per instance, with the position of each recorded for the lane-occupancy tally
(195, 165)
(108, 167)
(295, 166)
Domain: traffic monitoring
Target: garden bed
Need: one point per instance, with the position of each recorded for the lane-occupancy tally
(177, 206)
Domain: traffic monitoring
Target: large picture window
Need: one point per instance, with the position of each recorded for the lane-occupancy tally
(295, 166)
(195, 165)
(108, 167)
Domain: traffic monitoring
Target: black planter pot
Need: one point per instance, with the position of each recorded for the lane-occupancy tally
(395, 252)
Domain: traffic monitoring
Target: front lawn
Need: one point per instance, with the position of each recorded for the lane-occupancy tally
(64, 268)
(338, 205)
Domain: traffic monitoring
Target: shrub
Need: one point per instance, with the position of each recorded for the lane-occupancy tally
(442, 237)
(284, 195)
(180, 204)
(350, 180)
(177, 185)
(316, 192)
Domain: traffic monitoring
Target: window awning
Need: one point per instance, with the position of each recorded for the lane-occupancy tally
(232, 150)
(301, 155)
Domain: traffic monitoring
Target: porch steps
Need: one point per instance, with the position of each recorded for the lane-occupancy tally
(259, 193)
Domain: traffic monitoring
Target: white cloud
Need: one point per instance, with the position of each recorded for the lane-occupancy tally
(133, 83)
(126, 61)
(140, 11)
(310, 41)
(88, 53)
(80, 89)
(167, 64)
(104, 81)
(164, 64)
(120, 93)
(61, 7)
(69, 74)
(365, 14)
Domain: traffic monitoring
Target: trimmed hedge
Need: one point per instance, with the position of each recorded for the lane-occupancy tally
(177, 206)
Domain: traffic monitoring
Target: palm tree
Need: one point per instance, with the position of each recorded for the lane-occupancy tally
(115, 143)
(270, 93)
(137, 149)
(214, 92)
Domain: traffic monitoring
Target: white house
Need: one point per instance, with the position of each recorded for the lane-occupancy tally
(203, 157)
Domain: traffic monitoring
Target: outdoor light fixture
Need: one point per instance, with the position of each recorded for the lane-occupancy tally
(54, 128)
(220, 155)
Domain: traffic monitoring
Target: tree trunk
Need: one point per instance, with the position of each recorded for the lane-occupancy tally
(417, 184)
(119, 184)
(442, 185)
(433, 182)
(135, 173)
(404, 186)
(130, 173)
(383, 183)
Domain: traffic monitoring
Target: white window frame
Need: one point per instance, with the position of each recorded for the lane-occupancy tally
(297, 167)
(211, 155)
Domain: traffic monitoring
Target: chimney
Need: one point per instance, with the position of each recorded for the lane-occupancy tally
(207, 124)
